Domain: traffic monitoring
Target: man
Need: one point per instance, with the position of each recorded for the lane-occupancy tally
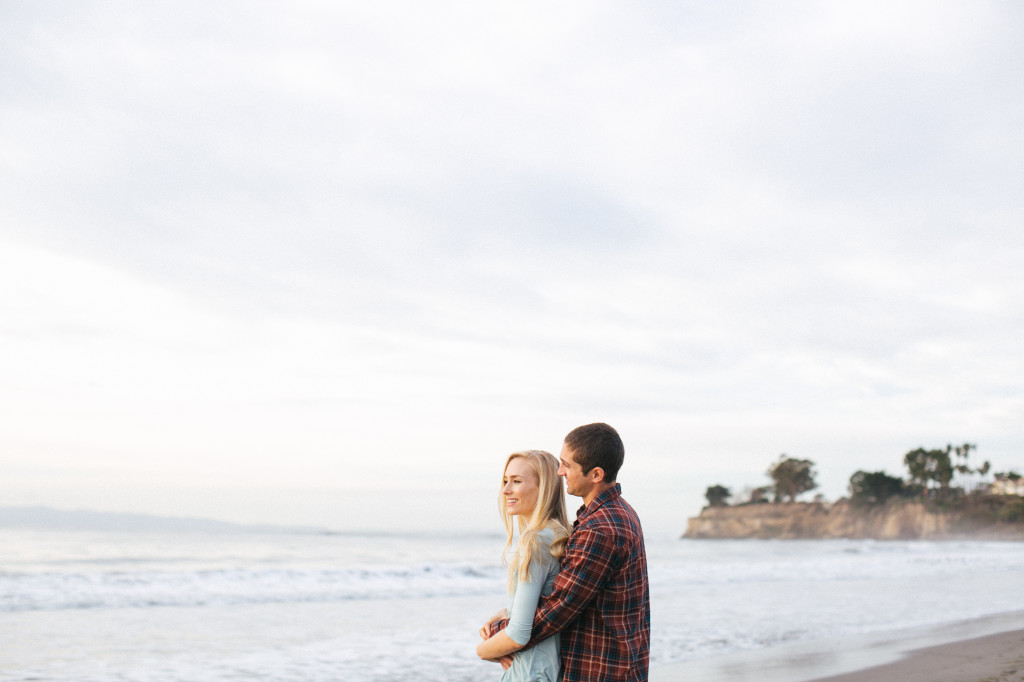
(601, 599)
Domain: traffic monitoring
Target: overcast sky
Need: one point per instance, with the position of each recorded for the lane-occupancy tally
(330, 262)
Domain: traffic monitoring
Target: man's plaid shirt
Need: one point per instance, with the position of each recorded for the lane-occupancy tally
(601, 598)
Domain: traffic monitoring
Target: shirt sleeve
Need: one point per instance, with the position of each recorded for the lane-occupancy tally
(590, 561)
(524, 605)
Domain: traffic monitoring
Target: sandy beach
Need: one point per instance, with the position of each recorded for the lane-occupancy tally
(981, 650)
(995, 658)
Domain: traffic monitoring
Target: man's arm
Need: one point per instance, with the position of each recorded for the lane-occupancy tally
(590, 561)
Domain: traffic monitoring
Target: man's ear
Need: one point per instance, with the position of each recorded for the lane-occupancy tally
(596, 475)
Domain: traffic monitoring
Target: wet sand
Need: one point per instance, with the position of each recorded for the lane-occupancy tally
(995, 658)
(982, 650)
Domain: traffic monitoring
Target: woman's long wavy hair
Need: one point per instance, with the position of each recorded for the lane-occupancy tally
(549, 513)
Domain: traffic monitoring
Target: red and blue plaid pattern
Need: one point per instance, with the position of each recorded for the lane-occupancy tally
(601, 599)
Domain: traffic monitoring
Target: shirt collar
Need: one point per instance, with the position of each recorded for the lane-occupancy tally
(606, 495)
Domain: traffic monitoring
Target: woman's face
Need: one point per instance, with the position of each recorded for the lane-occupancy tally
(521, 488)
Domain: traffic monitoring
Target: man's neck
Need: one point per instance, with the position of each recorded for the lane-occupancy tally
(595, 491)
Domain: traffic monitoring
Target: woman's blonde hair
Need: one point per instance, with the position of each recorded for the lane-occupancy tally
(549, 513)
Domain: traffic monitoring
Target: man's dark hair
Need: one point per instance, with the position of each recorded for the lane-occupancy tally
(597, 445)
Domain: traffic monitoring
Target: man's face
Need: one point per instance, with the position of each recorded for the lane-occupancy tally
(575, 482)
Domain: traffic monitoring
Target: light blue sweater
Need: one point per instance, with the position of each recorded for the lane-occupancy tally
(539, 663)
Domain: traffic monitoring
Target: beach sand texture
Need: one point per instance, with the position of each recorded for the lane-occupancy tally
(994, 658)
(989, 649)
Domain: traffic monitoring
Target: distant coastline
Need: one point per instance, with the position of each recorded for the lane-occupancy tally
(39, 517)
(895, 520)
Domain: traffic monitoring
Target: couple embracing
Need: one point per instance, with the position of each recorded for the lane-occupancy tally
(579, 605)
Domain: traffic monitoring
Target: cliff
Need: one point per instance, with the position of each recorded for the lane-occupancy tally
(897, 520)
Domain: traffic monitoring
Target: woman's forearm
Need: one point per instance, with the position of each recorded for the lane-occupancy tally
(497, 646)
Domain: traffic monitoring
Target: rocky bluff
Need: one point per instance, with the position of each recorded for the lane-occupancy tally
(896, 520)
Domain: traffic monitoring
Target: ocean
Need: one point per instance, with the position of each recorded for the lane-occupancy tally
(239, 604)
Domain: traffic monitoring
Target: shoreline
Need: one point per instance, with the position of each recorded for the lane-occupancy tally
(993, 658)
(988, 649)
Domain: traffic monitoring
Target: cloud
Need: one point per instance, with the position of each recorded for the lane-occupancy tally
(333, 244)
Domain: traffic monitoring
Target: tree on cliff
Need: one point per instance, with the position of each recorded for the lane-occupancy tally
(792, 477)
(875, 487)
(717, 495)
(927, 466)
(755, 495)
(966, 473)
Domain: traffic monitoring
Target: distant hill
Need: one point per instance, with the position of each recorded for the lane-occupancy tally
(59, 519)
(896, 520)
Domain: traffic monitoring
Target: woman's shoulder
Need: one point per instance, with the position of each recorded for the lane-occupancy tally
(549, 534)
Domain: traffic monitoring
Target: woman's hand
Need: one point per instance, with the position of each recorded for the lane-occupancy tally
(485, 631)
(498, 648)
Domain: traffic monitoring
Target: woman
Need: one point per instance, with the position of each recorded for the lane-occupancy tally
(532, 491)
